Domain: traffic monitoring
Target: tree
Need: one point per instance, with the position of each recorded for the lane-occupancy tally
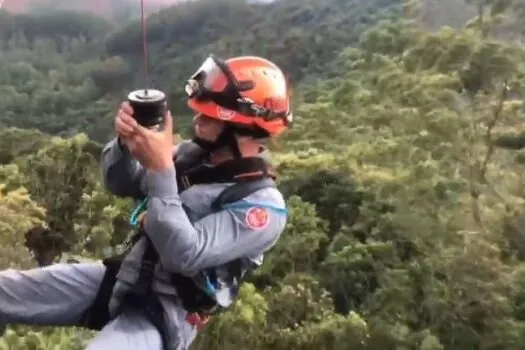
(19, 213)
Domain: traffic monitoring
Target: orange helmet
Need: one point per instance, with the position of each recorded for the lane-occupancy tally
(245, 91)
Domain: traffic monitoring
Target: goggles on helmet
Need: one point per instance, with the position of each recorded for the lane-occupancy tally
(214, 81)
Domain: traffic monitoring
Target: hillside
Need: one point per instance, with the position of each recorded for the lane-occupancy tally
(505, 17)
(303, 37)
(105, 8)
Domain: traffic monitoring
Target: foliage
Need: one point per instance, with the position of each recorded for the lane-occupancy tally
(64, 72)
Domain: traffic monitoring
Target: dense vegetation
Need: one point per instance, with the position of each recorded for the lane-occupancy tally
(62, 74)
(403, 172)
(121, 10)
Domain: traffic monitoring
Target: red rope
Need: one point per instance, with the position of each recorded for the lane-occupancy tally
(144, 46)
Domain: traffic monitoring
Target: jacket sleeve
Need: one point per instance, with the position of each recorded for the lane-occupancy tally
(212, 241)
(121, 173)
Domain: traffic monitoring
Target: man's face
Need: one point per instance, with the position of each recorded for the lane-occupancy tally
(207, 128)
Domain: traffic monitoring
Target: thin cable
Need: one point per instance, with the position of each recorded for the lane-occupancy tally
(144, 46)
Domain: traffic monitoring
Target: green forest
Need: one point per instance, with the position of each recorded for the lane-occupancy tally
(404, 170)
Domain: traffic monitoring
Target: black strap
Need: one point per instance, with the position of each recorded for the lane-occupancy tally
(150, 258)
(232, 171)
(240, 190)
(140, 297)
(97, 316)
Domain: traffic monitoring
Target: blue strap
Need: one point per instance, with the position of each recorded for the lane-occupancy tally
(244, 204)
(141, 207)
(210, 288)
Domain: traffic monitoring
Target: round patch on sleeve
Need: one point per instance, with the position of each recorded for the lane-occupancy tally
(257, 218)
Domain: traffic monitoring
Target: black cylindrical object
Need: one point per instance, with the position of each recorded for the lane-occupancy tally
(149, 107)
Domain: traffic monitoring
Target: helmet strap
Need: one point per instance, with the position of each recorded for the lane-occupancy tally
(225, 139)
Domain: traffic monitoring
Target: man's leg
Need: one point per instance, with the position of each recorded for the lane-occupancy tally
(132, 331)
(56, 295)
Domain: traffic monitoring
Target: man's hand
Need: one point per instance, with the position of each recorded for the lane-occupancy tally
(125, 124)
(153, 149)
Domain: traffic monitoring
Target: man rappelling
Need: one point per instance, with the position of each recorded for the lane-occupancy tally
(209, 211)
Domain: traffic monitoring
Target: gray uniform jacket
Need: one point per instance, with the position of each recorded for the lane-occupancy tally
(183, 230)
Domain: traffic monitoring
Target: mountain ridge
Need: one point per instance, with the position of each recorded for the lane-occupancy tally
(105, 8)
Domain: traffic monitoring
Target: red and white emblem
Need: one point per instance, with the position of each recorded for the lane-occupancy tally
(257, 218)
(225, 114)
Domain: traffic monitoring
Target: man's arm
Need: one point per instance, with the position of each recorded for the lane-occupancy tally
(121, 173)
(212, 241)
